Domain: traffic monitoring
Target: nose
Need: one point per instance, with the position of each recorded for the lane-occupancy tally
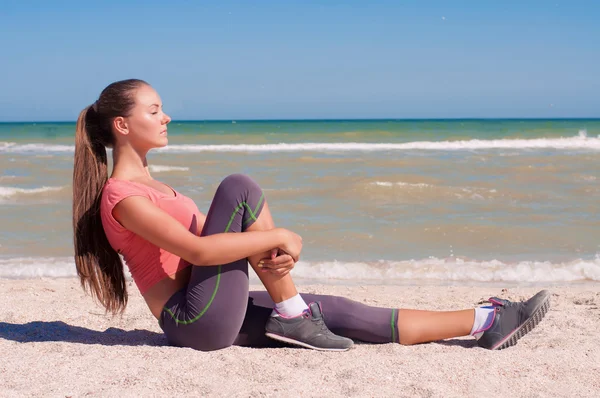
(166, 119)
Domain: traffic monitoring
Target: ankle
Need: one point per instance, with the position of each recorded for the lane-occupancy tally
(291, 307)
(484, 317)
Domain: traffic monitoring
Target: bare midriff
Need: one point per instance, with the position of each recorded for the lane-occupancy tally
(157, 296)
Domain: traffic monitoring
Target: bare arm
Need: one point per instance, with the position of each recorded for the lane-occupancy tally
(201, 220)
(140, 216)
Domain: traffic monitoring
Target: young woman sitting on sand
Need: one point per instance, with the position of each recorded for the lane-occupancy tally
(192, 269)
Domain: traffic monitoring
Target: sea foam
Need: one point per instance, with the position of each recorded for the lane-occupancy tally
(402, 184)
(157, 168)
(581, 142)
(382, 272)
(7, 192)
(453, 269)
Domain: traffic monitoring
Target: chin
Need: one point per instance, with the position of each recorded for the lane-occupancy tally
(162, 143)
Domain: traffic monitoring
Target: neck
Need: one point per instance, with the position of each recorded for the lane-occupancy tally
(129, 164)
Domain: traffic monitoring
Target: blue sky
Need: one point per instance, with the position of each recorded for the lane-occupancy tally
(305, 59)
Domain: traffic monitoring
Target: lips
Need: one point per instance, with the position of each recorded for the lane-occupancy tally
(164, 132)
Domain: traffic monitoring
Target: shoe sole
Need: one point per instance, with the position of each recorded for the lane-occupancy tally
(302, 344)
(527, 326)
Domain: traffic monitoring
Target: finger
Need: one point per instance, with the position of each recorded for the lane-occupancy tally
(277, 270)
(261, 263)
(280, 271)
(286, 258)
(278, 261)
(280, 264)
(274, 258)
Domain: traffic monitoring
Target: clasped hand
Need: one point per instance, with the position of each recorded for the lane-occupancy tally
(280, 263)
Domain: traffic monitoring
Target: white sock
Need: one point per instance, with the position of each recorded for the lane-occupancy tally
(291, 307)
(483, 319)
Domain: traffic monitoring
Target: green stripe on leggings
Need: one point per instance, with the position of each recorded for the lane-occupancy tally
(253, 216)
(177, 320)
(212, 297)
(393, 326)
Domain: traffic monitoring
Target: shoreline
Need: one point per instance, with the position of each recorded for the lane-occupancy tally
(353, 283)
(58, 342)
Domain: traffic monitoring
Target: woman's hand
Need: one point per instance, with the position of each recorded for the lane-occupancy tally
(280, 263)
(292, 244)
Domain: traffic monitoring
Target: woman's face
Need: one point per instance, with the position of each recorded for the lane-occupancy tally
(146, 125)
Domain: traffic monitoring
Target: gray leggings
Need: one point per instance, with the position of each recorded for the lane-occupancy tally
(216, 310)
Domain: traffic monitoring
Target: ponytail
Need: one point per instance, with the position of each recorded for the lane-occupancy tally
(99, 266)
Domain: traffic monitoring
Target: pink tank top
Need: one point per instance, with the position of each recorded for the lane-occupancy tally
(147, 263)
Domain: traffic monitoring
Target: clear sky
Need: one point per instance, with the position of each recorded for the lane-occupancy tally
(305, 59)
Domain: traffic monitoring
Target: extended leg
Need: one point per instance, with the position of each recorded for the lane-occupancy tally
(358, 321)
(343, 316)
(416, 326)
(508, 321)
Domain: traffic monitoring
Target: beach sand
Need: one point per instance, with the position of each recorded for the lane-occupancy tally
(55, 341)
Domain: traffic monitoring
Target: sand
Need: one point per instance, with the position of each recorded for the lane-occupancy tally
(55, 341)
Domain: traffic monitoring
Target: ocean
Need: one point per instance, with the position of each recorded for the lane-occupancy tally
(376, 201)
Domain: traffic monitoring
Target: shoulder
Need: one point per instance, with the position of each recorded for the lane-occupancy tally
(115, 191)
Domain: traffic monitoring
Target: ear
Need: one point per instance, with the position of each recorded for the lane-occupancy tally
(120, 125)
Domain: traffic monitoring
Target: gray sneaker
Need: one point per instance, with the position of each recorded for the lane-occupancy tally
(513, 320)
(306, 330)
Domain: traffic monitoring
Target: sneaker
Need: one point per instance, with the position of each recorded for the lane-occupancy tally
(306, 330)
(513, 320)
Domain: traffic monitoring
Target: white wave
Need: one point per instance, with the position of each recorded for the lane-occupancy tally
(581, 141)
(454, 269)
(433, 269)
(12, 147)
(156, 168)
(34, 267)
(539, 143)
(39, 267)
(402, 184)
(6, 192)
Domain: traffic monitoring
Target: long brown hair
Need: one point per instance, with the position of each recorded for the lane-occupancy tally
(98, 265)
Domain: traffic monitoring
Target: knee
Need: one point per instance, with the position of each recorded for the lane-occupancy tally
(238, 182)
(240, 188)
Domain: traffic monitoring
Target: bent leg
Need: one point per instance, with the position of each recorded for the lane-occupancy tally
(208, 313)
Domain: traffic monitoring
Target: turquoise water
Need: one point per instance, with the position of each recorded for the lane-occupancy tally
(386, 201)
(334, 130)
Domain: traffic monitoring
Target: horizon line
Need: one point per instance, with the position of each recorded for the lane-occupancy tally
(332, 119)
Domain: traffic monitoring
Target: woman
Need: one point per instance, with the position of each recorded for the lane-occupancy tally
(193, 271)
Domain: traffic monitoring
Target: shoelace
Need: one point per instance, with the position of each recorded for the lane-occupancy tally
(320, 321)
(504, 303)
(511, 304)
